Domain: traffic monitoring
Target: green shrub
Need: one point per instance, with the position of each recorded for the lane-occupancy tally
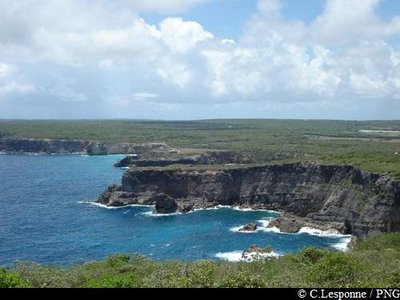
(335, 270)
(11, 280)
(312, 255)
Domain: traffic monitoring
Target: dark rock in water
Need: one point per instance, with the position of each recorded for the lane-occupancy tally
(254, 249)
(185, 208)
(164, 204)
(114, 196)
(249, 227)
(288, 225)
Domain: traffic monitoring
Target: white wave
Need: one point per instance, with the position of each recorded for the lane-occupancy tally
(230, 256)
(157, 215)
(319, 232)
(265, 222)
(272, 229)
(264, 226)
(343, 245)
(237, 229)
(113, 207)
(125, 168)
(237, 256)
(85, 155)
(238, 208)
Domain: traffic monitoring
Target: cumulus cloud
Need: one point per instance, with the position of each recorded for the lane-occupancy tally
(5, 70)
(181, 36)
(103, 52)
(163, 6)
(278, 60)
(13, 88)
(345, 21)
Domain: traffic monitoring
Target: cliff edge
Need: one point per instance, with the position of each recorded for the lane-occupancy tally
(349, 199)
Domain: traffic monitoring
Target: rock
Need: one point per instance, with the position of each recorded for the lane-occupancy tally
(185, 208)
(127, 161)
(288, 225)
(24, 145)
(96, 149)
(164, 204)
(207, 158)
(254, 249)
(249, 227)
(355, 201)
(13, 145)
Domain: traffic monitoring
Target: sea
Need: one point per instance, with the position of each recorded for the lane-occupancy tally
(48, 215)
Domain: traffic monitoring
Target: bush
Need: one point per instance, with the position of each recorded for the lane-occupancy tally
(312, 255)
(11, 280)
(335, 270)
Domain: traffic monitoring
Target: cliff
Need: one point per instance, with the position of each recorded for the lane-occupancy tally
(24, 145)
(352, 200)
(206, 158)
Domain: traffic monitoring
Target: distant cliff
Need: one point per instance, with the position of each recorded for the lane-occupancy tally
(46, 146)
(360, 202)
(206, 158)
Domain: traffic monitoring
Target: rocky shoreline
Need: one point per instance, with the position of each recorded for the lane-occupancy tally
(325, 197)
(64, 146)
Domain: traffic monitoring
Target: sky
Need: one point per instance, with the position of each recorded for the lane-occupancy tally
(200, 59)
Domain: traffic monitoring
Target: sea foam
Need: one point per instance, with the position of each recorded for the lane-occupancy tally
(157, 215)
(113, 207)
(237, 256)
(343, 245)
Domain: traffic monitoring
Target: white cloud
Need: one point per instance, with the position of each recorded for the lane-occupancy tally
(181, 36)
(100, 52)
(13, 88)
(174, 72)
(278, 60)
(5, 70)
(163, 6)
(144, 96)
(345, 21)
(269, 7)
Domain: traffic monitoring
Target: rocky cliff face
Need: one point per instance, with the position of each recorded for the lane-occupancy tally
(206, 158)
(361, 202)
(22, 145)
(42, 146)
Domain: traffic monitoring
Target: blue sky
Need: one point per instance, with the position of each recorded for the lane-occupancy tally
(195, 59)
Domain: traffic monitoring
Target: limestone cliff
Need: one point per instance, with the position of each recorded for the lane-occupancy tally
(206, 158)
(362, 202)
(24, 145)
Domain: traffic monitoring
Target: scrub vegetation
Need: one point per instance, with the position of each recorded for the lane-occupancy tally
(370, 145)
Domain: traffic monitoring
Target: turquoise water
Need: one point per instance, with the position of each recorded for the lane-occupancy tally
(46, 217)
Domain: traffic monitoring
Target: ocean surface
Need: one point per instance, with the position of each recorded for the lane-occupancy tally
(47, 215)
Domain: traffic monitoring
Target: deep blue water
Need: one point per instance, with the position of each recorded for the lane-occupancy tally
(43, 218)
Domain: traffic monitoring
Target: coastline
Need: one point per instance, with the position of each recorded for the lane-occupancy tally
(263, 226)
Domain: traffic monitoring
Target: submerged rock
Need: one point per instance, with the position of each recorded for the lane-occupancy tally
(287, 224)
(164, 204)
(254, 248)
(249, 227)
(185, 208)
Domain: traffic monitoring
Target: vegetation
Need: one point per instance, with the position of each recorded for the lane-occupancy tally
(374, 262)
(370, 145)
